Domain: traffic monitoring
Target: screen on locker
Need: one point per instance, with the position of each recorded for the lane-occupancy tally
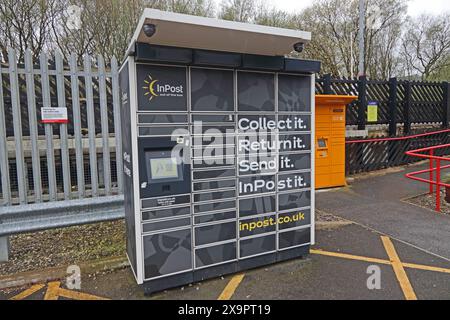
(162, 166)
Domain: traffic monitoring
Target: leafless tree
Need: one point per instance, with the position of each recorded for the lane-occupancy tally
(107, 25)
(238, 10)
(203, 8)
(334, 25)
(270, 16)
(26, 24)
(331, 23)
(426, 45)
(384, 22)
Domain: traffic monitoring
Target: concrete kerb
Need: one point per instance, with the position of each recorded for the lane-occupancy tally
(4, 248)
(58, 273)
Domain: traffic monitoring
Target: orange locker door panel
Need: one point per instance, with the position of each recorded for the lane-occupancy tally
(330, 140)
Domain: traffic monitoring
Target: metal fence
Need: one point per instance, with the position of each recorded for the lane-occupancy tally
(399, 102)
(379, 153)
(48, 162)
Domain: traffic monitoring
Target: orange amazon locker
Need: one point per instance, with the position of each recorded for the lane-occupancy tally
(330, 140)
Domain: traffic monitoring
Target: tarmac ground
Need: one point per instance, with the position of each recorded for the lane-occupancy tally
(383, 249)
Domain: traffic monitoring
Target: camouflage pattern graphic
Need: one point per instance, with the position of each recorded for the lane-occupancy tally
(256, 91)
(216, 254)
(254, 246)
(294, 93)
(212, 90)
(167, 253)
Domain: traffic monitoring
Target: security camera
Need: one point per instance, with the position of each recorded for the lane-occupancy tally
(299, 46)
(149, 29)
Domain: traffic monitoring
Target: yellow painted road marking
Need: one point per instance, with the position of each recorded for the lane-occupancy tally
(400, 273)
(426, 268)
(349, 256)
(379, 261)
(76, 295)
(54, 291)
(28, 292)
(231, 287)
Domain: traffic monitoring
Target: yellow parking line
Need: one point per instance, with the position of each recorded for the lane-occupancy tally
(231, 287)
(76, 295)
(426, 268)
(349, 256)
(28, 292)
(52, 290)
(399, 271)
(379, 261)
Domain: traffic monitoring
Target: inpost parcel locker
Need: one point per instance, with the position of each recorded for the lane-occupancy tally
(218, 144)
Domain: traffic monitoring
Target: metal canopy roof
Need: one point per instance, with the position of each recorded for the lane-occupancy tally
(181, 30)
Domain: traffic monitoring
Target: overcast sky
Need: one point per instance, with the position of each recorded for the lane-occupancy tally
(416, 7)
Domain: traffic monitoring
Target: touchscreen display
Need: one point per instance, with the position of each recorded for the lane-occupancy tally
(322, 143)
(163, 168)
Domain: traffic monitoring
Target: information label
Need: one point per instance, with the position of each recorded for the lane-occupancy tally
(372, 112)
(54, 115)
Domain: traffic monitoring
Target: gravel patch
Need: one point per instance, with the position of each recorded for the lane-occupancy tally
(64, 247)
(428, 201)
(327, 217)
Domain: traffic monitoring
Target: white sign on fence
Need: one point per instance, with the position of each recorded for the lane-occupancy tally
(54, 115)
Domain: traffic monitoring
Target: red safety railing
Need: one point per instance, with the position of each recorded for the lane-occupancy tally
(429, 153)
(372, 154)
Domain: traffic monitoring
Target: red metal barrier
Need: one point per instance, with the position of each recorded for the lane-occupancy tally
(429, 153)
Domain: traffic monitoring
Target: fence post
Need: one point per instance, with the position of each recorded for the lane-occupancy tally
(63, 136)
(393, 86)
(327, 84)
(91, 125)
(117, 122)
(4, 164)
(408, 105)
(362, 98)
(77, 129)
(4, 248)
(446, 103)
(33, 126)
(17, 124)
(106, 165)
(46, 102)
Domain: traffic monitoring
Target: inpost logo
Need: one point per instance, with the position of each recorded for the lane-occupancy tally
(156, 88)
